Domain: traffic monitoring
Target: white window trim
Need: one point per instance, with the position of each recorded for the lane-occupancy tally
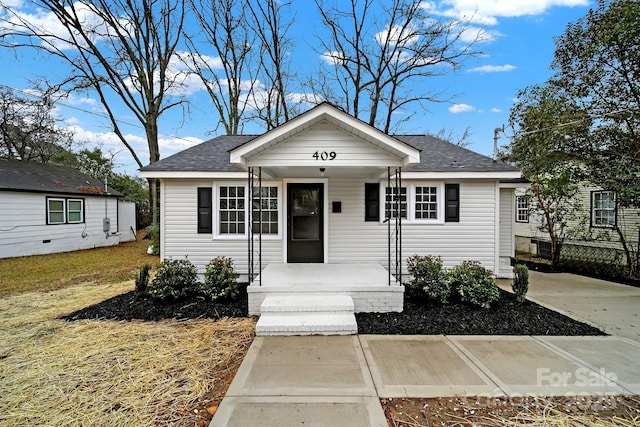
(247, 211)
(518, 209)
(411, 202)
(593, 209)
(81, 211)
(64, 210)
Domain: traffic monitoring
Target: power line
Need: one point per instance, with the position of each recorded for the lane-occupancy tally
(561, 125)
(103, 116)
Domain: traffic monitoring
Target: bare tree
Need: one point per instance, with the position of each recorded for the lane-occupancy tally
(122, 50)
(268, 20)
(379, 51)
(229, 74)
(28, 129)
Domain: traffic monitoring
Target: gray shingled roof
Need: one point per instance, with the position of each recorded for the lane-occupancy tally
(44, 178)
(436, 156)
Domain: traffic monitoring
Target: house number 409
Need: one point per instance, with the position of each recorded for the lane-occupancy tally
(324, 155)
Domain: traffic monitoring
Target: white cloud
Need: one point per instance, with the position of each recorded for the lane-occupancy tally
(333, 57)
(397, 35)
(487, 12)
(496, 110)
(48, 24)
(461, 108)
(493, 68)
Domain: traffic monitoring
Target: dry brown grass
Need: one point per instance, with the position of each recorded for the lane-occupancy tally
(54, 373)
(55, 271)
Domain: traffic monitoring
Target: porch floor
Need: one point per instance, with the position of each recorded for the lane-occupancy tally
(367, 284)
(324, 275)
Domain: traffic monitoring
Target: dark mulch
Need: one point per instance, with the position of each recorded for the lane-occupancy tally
(130, 306)
(505, 317)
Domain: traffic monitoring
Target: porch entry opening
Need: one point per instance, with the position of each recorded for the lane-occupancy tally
(305, 222)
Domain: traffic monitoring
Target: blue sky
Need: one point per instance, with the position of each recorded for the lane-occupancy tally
(518, 54)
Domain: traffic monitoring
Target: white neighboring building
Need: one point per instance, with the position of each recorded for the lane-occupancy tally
(47, 209)
(330, 186)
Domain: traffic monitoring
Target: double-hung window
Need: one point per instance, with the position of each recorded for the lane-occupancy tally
(394, 198)
(603, 209)
(420, 202)
(265, 203)
(62, 210)
(231, 209)
(426, 206)
(522, 208)
(234, 209)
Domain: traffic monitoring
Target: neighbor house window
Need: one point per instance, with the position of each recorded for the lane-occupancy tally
(603, 209)
(55, 211)
(75, 210)
(65, 211)
(267, 198)
(522, 209)
(426, 202)
(392, 197)
(231, 209)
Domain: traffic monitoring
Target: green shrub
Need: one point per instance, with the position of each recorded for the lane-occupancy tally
(474, 284)
(520, 284)
(142, 279)
(220, 279)
(154, 236)
(429, 278)
(174, 279)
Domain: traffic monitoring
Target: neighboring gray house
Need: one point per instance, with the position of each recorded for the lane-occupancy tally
(46, 208)
(331, 189)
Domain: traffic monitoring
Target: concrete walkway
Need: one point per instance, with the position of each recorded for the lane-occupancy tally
(611, 307)
(338, 380)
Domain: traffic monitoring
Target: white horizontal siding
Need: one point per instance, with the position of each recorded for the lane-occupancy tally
(180, 237)
(24, 229)
(324, 138)
(351, 239)
(473, 238)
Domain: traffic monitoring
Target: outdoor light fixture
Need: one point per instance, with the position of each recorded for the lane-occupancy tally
(322, 171)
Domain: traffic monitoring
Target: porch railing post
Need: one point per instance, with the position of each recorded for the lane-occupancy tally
(250, 232)
(400, 226)
(387, 213)
(260, 229)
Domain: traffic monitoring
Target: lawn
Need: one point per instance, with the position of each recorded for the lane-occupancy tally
(56, 271)
(105, 373)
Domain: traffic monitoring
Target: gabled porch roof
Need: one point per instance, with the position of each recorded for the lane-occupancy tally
(324, 137)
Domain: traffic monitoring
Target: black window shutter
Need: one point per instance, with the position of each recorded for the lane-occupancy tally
(205, 210)
(372, 201)
(452, 202)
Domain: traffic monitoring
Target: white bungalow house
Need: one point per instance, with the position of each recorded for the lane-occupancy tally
(47, 209)
(336, 207)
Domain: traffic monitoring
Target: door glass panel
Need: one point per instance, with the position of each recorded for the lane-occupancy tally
(305, 221)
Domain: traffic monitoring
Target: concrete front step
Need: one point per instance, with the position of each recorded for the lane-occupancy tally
(307, 315)
(317, 323)
(306, 303)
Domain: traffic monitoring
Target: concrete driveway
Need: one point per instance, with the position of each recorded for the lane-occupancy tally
(612, 307)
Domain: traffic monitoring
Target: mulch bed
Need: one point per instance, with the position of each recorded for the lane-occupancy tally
(420, 317)
(505, 317)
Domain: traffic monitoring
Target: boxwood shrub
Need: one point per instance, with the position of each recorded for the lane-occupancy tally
(474, 284)
(428, 278)
(174, 279)
(220, 280)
